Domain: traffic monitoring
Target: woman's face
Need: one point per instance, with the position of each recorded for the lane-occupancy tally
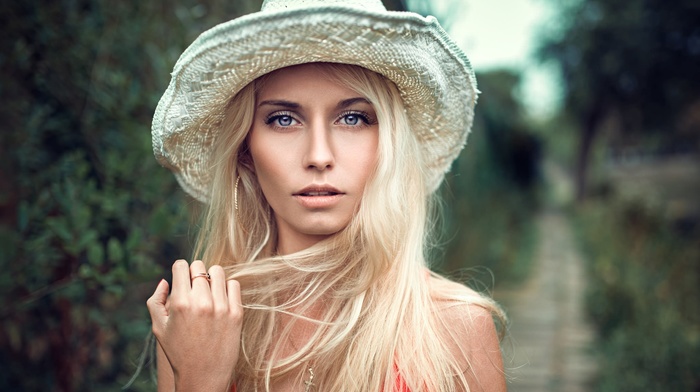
(313, 144)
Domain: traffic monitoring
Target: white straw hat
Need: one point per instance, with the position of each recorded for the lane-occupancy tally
(434, 76)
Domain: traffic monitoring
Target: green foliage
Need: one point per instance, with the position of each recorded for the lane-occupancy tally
(89, 220)
(643, 298)
(638, 59)
(628, 68)
(493, 187)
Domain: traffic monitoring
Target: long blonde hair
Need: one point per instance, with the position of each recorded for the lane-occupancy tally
(380, 316)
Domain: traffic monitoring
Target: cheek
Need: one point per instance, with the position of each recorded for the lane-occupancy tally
(365, 156)
(264, 162)
(267, 170)
(265, 152)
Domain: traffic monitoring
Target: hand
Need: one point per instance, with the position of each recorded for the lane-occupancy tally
(199, 326)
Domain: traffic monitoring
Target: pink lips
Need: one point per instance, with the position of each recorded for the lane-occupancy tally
(318, 196)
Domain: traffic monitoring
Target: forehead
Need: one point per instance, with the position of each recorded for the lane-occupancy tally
(317, 79)
(325, 69)
(340, 74)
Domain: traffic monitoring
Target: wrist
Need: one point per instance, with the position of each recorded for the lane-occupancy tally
(187, 384)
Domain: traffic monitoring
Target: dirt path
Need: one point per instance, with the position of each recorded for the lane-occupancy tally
(549, 342)
(549, 345)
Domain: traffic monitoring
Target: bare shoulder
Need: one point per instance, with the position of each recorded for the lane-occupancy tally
(469, 330)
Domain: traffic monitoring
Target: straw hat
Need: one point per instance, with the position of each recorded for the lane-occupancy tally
(434, 76)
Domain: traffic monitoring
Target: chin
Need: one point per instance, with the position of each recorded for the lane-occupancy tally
(323, 228)
(322, 231)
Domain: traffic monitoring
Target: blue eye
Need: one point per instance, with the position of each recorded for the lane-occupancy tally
(281, 120)
(284, 121)
(352, 119)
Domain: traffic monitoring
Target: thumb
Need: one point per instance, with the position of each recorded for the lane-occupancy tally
(156, 304)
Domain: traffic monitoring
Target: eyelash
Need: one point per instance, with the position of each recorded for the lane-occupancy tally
(364, 117)
(278, 115)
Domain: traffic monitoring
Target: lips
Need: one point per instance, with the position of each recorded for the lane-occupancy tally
(323, 190)
(319, 193)
(319, 197)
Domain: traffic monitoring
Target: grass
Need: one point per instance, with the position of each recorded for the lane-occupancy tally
(643, 297)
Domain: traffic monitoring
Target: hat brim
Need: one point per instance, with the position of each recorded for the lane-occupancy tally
(434, 77)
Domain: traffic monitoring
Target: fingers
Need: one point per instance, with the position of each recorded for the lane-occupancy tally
(218, 284)
(156, 304)
(226, 293)
(159, 297)
(198, 275)
(181, 277)
(188, 279)
(233, 290)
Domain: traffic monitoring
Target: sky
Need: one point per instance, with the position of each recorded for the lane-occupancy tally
(503, 33)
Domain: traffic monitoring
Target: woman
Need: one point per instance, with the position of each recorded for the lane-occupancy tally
(316, 134)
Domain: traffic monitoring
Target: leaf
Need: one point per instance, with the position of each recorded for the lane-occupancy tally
(134, 239)
(95, 253)
(59, 226)
(85, 271)
(22, 215)
(87, 238)
(115, 251)
(81, 217)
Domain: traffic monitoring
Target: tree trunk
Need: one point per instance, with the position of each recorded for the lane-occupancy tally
(589, 131)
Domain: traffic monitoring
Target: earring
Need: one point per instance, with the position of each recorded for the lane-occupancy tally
(235, 193)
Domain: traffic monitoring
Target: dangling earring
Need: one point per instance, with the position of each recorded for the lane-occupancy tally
(235, 193)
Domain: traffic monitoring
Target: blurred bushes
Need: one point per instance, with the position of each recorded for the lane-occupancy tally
(493, 188)
(88, 219)
(644, 297)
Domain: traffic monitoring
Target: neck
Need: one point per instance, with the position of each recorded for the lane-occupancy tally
(302, 330)
(288, 243)
(291, 241)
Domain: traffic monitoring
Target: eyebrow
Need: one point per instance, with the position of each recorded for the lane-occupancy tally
(280, 102)
(293, 105)
(351, 101)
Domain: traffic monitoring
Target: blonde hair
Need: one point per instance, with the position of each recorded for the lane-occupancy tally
(381, 317)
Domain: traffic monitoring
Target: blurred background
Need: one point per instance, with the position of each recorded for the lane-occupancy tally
(575, 202)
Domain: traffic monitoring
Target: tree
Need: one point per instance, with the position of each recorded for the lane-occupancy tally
(636, 61)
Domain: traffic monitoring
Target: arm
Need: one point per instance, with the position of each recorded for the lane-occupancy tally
(198, 332)
(166, 378)
(473, 340)
(486, 372)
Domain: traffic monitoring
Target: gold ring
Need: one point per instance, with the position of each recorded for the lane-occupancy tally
(201, 275)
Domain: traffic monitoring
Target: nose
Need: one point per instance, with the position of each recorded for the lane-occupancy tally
(319, 155)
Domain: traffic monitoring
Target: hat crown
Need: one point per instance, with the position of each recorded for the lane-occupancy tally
(275, 5)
